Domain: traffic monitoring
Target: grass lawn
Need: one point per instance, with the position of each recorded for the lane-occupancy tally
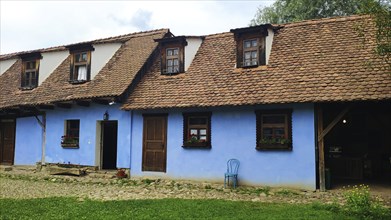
(71, 208)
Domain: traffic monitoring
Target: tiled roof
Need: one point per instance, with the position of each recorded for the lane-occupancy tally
(111, 81)
(311, 61)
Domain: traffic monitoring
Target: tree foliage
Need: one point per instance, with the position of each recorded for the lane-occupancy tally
(284, 11)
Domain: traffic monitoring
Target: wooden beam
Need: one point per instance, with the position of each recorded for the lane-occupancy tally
(46, 106)
(64, 105)
(333, 123)
(84, 103)
(102, 101)
(322, 182)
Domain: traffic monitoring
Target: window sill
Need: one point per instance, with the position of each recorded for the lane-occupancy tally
(197, 146)
(64, 145)
(279, 147)
(77, 81)
(27, 88)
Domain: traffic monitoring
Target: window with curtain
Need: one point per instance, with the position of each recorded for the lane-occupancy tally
(80, 66)
(30, 74)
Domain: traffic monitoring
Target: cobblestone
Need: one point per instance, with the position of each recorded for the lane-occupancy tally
(28, 184)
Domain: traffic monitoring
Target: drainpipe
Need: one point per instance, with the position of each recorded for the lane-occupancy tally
(43, 126)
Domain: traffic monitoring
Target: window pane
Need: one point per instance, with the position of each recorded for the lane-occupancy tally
(169, 62)
(77, 57)
(254, 54)
(176, 69)
(279, 132)
(202, 137)
(81, 72)
(84, 56)
(247, 44)
(169, 52)
(202, 131)
(254, 43)
(274, 119)
(197, 121)
(176, 62)
(176, 51)
(247, 55)
(169, 69)
(30, 65)
(193, 132)
(267, 132)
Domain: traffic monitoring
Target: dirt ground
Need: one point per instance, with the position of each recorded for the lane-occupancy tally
(105, 186)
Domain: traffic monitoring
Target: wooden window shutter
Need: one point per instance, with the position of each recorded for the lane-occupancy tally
(262, 51)
(88, 65)
(182, 58)
(163, 60)
(239, 53)
(71, 69)
(23, 75)
(36, 73)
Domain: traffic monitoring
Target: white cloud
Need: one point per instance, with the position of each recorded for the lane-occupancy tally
(27, 25)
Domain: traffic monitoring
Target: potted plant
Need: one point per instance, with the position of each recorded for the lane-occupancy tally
(274, 143)
(69, 141)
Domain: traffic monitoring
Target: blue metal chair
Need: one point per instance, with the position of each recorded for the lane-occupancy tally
(232, 172)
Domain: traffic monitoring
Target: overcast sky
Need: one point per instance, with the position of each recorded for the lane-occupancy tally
(28, 25)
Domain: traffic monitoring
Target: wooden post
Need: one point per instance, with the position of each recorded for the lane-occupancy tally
(321, 134)
(322, 179)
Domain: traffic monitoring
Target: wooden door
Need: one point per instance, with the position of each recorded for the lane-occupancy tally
(154, 143)
(7, 141)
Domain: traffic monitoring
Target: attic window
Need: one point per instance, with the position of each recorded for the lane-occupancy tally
(172, 60)
(30, 74)
(251, 46)
(253, 54)
(80, 67)
(250, 52)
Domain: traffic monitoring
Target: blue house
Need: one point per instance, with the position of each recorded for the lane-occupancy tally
(300, 105)
(62, 104)
(292, 102)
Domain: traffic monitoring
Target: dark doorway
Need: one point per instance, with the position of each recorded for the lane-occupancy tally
(109, 144)
(154, 143)
(7, 141)
(358, 148)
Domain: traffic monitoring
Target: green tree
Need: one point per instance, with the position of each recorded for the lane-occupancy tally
(284, 11)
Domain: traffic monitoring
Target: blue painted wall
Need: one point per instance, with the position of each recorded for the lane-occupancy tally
(88, 116)
(28, 141)
(234, 136)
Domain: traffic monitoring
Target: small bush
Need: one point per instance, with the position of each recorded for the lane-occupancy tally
(359, 202)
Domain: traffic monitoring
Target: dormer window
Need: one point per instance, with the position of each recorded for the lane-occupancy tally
(80, 65)
(251, 46)
(80, 70)
(250, 52)
(172, 60)
(172, 55)
(30, 70)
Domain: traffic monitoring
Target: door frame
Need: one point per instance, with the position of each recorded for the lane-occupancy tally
(99, 142)
(14, 131)
(165, 125)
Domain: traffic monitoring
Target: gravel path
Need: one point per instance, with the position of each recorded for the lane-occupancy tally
(39, 185)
